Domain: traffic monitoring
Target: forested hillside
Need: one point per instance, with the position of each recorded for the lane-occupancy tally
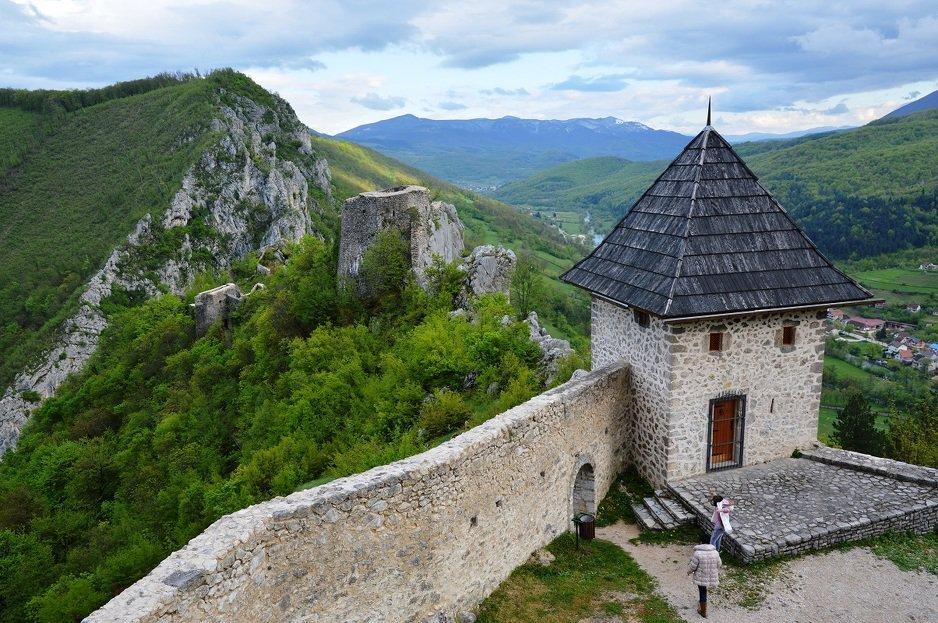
(859, 192)
(166, 430)
(74, 181)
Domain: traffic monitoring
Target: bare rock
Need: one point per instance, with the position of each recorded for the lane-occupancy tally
(488, 270)
(552, 349)
(542, 557)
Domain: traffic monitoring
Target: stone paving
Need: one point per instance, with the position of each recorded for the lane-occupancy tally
(789, 506)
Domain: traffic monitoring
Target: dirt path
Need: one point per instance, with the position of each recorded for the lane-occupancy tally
(852, 586)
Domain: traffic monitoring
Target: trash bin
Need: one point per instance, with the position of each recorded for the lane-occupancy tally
(585, 526)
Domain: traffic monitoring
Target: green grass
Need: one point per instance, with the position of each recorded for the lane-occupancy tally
(77, 195)
(902, 280)
(594, 579)
(628, 488)
(909, 552)
(847, 370)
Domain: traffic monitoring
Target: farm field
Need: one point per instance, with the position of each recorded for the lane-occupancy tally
(902, 281)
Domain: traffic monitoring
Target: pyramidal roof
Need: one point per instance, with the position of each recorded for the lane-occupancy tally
(708, 239)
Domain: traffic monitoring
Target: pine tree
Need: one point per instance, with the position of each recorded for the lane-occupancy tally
(854, 428)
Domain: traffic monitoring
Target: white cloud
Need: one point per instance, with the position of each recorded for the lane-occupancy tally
(379, 102)
(765, 63)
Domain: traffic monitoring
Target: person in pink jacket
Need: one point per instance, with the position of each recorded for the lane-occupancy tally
(721, 517)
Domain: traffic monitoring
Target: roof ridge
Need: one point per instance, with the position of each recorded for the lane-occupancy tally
(689, 217)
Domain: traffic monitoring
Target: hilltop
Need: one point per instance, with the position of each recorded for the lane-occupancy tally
(857, 192)
(145, 197)
(483, 153)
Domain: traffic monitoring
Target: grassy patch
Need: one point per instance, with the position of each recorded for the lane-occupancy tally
(627, 489)
(900, 280)
(595, 579)
(687, 534)
(747, 585)
(909, 552)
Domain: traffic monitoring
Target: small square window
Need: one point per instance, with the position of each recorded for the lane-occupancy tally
(788, 336)
(642, 318)
(716, 342)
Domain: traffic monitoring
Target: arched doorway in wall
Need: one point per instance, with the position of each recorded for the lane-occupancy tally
(584, 491)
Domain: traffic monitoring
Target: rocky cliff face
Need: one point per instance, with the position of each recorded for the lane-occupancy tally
(250, 191)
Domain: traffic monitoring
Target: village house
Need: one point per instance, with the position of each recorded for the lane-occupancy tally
(913, 308)
(866, 325)
(717, 300)
(835, 314)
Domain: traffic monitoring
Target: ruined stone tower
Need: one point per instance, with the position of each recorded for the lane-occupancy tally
(715, 297)
(431, 229)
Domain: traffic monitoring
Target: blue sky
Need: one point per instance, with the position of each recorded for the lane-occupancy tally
(770, 66)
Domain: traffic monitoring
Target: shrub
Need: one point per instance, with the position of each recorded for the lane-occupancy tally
(444, 413)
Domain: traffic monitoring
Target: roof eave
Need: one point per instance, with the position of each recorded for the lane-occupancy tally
(764, 310)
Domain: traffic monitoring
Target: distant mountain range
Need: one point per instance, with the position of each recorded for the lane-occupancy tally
(485, 153)
(858, 192)
(766, 136)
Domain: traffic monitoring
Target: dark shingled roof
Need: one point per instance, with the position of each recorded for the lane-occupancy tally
(707, 239)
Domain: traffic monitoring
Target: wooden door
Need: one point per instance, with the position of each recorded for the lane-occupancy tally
(723, 432)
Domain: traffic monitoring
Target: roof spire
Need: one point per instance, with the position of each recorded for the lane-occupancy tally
(708, 110)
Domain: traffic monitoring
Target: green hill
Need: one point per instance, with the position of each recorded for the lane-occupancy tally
(164, 430)
(860, 192)
(78, 169)
(72, 186)
(604, 186)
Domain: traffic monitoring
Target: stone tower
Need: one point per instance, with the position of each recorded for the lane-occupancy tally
(716, 299)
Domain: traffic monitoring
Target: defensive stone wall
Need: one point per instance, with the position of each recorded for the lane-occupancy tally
(428, 536)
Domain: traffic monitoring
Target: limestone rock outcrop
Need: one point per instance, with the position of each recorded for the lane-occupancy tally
(239, 197)
(552, 349)
(430, 228)
(488, 270)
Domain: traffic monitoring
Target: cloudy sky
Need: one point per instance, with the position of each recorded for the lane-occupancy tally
(771, 66)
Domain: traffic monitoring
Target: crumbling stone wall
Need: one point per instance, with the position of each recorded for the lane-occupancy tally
(429, 535)
(430, 229)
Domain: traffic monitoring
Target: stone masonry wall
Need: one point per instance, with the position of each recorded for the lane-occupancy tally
(782, 385)
(615, 335)
(431, 534)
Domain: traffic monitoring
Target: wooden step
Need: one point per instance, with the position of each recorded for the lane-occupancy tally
(660, 513)
(645, 518)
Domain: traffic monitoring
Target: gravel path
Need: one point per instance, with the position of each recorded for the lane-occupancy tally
(852, 586)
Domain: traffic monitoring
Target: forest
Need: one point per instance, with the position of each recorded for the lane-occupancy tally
(166, 431)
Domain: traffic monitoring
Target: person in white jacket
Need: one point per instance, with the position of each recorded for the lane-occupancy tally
(705, 567)
(722, 508)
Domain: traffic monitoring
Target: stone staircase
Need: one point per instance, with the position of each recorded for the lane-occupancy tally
(662, 512)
